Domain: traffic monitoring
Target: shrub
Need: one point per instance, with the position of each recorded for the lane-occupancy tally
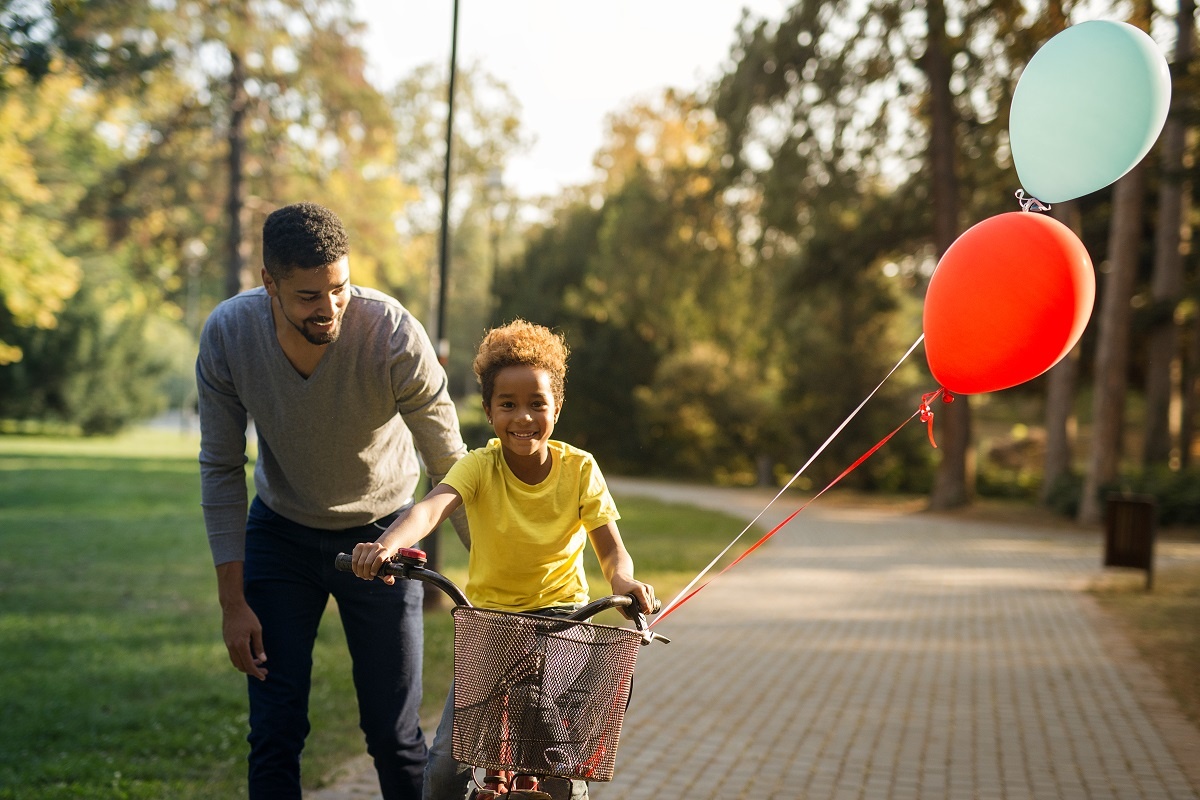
(1176, 492)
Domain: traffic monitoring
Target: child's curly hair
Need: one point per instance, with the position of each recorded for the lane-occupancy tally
(521, 343)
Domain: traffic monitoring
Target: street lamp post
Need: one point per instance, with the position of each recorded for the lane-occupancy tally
(495, 194)
(433, 550)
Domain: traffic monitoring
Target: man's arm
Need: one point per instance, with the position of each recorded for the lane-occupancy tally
(223, 497)
(424, 403)
(223, 419)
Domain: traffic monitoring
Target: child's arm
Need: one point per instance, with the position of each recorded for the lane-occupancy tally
(618, 565)
(408, 529)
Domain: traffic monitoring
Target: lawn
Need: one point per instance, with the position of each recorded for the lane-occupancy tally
(114, 682)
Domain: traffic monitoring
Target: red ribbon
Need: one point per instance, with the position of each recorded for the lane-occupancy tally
(927, 413)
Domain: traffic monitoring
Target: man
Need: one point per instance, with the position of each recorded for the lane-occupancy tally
(342, 384)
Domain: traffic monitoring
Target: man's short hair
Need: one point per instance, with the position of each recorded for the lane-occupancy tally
(302, 236)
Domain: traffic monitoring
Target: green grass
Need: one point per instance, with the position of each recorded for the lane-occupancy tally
(114, 682)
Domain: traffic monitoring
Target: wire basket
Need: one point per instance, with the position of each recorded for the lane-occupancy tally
(539, 694)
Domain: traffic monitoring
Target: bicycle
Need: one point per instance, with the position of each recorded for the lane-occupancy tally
(538, 700)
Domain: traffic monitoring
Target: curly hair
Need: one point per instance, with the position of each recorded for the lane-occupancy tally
(521, 343)
(304, 236)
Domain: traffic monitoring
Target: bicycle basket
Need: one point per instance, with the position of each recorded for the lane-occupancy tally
(539, 694)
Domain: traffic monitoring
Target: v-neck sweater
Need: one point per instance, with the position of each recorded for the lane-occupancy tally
(337, 449)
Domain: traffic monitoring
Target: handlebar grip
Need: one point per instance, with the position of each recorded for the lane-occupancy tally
(633, 604)
(344, 562)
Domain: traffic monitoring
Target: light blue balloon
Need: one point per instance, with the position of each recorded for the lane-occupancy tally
(1088, 107)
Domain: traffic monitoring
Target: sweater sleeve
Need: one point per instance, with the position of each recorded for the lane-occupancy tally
(423, 401)
(223, 418)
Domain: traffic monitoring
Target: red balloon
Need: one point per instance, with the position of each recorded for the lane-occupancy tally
(1007, 301)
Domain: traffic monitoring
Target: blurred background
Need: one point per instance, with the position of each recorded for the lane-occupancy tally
(737, 254)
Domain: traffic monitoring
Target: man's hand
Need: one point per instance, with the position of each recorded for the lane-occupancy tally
(243, 639)
(239, 623)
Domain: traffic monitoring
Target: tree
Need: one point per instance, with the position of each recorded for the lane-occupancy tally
(1061, 379)
(644, 273)
(36, 276)
(1167, 284)
(1060, 392)
(136, 158)
(954, 482)
(102, 367)
(845, 102)
(487, 133)
(1112, 346)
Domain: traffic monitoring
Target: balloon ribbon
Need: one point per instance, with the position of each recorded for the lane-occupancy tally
(686, 591)
(926, 415)
(1030, 203)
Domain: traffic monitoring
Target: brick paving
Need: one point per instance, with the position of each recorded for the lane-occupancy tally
(877, 655)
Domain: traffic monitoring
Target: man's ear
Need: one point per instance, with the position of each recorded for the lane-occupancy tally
(269, 283)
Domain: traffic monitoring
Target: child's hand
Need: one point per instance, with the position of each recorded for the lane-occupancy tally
(369, 557)
(644, 592)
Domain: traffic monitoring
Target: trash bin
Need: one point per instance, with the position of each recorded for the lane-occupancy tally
(1129, 533)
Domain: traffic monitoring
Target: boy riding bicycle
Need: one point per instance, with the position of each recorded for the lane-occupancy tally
(532, 503)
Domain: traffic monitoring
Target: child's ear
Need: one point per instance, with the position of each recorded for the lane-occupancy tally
(557, 411)
(487, 410)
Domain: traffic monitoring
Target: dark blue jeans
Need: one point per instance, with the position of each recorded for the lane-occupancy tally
(289, 577)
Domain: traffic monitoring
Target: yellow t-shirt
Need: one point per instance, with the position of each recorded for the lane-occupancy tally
(527, 541)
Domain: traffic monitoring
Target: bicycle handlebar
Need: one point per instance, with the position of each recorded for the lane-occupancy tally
(409, 564)
(410, 569)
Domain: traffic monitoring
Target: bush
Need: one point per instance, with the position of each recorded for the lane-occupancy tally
(101, 368)
(1064, 494)
(1010, 484)
(1176, 492)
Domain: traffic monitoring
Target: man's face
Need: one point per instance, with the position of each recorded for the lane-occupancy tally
(313, 301)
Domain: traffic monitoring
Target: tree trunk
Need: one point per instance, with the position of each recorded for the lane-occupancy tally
(1112, 345)
(1191, 394)
(954, 478)
(1060, 391)
(1166, 288)
(235, 259)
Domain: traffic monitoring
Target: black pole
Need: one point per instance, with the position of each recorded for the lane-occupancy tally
(443, 343)
(432, 542)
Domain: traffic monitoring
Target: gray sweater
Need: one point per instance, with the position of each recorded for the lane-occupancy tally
(336, 449)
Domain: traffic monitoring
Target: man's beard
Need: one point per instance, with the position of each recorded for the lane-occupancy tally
(316, 336)
(322, 336)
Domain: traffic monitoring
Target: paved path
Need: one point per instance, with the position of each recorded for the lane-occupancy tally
(878, 655)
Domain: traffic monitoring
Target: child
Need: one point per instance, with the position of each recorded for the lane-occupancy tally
(531, 505)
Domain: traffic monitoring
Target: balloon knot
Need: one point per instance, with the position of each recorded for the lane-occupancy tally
(926, 410)
(1030, 203)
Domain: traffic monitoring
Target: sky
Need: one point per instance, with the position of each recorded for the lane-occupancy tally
(568, 62)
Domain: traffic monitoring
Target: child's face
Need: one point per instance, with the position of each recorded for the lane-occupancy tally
(523, 410)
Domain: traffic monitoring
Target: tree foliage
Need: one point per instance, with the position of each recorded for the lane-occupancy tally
(117, 137)
(36, 276)
(749, 266)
